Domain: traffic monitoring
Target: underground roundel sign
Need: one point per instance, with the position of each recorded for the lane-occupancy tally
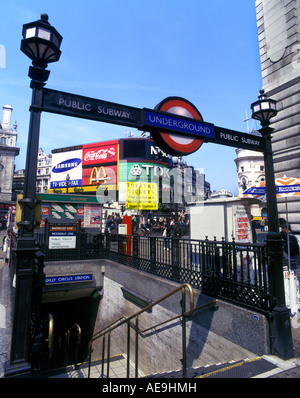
(173, 143)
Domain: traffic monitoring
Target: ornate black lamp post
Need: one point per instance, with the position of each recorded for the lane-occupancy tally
(263, 110)
(41, 44)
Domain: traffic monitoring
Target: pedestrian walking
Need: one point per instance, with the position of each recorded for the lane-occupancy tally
(262, 224)
(166, 233)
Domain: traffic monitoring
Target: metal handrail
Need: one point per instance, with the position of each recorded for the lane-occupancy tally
(51, 335)
(95, 336)
(50, 339)
(177, 316)
(135, 316)
(67, 342)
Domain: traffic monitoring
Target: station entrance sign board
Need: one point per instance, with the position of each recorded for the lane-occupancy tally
(175, 124)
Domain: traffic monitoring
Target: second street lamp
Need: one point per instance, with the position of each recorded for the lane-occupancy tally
(263, 110)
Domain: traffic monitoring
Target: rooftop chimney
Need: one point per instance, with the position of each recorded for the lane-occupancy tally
(7, 110)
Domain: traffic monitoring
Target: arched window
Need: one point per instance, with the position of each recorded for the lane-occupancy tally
(3, 141)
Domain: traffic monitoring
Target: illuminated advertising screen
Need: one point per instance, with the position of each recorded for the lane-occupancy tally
(100, 153)
(150, 175)
(100, 165)
(143, 171)
(95, 176)
(66, 164)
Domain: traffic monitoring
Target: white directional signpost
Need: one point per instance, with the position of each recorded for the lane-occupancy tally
(157, 122)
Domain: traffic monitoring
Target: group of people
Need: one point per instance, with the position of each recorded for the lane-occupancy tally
(161, 225)
(168, 226)
(112, 222)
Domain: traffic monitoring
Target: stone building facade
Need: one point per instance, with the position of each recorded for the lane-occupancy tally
(43, 174)
(250, 168)
(8, 152)
(278, 23)
(43, 171)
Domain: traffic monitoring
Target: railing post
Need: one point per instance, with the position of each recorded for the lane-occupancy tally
(184, 370)
(234, 254)
(136, 346)
(135, 250)
(78, 239)
(175, 259)
(128, 349)
(120, 242)
(90, 359)
(217, 262)
(153, 254)
(108, 354)
(103, 355)
(107, 241)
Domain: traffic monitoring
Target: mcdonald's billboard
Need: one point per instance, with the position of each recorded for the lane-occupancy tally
(92, 177)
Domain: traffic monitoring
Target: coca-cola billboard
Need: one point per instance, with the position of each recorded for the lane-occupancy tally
(98, 154)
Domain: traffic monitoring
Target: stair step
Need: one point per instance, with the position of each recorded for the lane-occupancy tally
(246, 368)
(117, 369)
(241, 369)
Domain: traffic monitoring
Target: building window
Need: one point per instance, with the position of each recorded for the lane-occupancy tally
(3, 141)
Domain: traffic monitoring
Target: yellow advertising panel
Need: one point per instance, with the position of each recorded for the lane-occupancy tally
(37, 211)
(141, 196)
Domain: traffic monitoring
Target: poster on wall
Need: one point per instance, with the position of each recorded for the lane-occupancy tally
(141, 196)
(242, 224)
(57, 211)
(92, 216)
(70, 211)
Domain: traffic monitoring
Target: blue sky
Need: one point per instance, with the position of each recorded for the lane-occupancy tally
(136, 53)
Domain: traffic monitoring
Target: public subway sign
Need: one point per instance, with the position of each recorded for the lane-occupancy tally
(175, 124)
(90, 108)
(239, 140)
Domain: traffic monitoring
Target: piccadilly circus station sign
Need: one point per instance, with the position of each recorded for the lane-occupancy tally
(175, 124)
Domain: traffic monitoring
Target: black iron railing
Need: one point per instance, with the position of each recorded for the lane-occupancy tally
(85, 245)
(225, 270)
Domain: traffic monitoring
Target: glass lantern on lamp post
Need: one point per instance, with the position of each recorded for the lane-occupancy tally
(264, 109)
